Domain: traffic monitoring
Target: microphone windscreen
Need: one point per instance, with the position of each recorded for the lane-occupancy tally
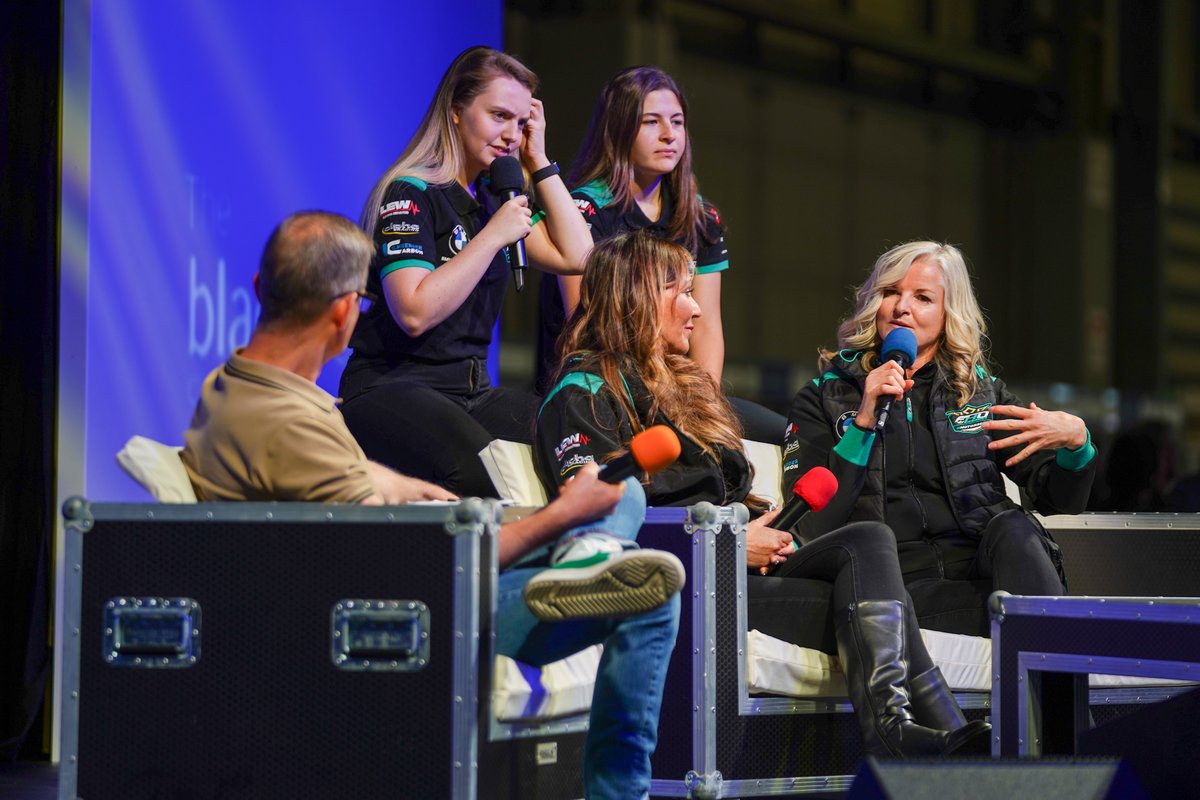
(816, 487)
(900, 344)
(506, 175)
(655, 448)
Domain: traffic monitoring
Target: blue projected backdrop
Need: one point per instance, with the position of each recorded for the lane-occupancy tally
(210, 122)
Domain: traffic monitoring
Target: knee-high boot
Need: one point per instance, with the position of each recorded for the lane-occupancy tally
(934, 706)
(870, 641)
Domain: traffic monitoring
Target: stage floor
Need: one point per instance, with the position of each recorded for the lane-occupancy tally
(28, 781)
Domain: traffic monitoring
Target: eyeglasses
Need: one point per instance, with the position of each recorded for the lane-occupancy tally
(370, 298)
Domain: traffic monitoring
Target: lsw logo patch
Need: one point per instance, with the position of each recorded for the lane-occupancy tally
(969, 419)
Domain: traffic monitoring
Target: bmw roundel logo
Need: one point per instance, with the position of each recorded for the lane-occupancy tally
(458, 239)
(843, 423)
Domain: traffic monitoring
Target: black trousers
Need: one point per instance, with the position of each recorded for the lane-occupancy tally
(950, 576)
(861, 562)
(432, 421)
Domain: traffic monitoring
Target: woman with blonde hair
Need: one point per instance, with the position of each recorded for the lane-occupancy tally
(934, 471)
(625, 368)
(416, 389)
(634, 172)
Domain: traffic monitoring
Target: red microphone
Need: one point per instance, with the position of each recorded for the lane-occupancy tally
(812, 492)
(651, 450)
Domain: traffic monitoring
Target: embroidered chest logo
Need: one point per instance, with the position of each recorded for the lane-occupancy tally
(969, 419)
(458, 239)
(843, 423)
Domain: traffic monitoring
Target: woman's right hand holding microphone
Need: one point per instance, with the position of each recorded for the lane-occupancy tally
(512, 222)
(886, 380)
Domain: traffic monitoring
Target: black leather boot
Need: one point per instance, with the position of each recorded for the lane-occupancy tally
(934, 706)
(870, 642)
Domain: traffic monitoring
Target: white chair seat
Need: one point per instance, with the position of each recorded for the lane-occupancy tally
(521, 693)
(157, 467)
(781, 668)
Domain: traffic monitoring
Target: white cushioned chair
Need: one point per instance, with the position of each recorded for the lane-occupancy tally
(157, 467)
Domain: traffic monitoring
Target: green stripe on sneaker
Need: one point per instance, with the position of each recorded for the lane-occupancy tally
(583, 562)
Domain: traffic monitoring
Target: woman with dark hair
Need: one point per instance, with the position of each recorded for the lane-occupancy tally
(634, 172)
(625, 368)
(933, 473)
(416, 390)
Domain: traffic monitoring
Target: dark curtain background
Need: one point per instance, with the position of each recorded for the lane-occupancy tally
(29, 119)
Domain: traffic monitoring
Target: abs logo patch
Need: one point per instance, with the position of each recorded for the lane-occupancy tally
(843, 423)
(969, 419)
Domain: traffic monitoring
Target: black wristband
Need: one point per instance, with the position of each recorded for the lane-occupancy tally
(545, 172)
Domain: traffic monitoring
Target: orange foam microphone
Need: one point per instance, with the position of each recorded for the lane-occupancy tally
(653, 449)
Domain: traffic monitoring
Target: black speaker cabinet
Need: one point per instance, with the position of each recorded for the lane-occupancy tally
(1161, 741)
(262, 650)
(1011, 779)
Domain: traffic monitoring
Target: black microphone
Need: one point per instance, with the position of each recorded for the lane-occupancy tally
(812, 492)
(653, 449)
(900, 345)
(508, 181)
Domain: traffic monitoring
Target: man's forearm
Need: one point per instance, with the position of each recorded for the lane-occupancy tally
(522, 536)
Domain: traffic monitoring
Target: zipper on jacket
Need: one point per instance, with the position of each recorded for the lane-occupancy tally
(912, 489)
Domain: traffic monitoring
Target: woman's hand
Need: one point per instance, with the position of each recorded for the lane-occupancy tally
(765, 546)
(886, 380)
(511, 222)
(533, 145)
(1035, 428)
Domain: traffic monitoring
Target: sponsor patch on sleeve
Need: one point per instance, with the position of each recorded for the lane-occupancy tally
(574, 462)
(402, 248)
(401, 229)
(570, 443)
(843, 423)
(399, 208)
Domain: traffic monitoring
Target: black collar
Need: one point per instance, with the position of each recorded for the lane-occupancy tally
(461, 200)
(636, 219)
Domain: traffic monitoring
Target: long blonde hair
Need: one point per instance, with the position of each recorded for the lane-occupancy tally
(608, 145)
(964, 333)
(434, 154)
(617, 325)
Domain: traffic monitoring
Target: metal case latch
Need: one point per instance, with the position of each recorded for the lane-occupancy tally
(379, 635)
(152, 632)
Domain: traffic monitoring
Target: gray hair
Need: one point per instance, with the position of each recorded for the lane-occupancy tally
(311, 258)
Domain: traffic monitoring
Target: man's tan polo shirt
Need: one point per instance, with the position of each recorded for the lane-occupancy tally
(263, 433)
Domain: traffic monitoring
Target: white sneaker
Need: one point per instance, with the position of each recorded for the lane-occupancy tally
(596, 575)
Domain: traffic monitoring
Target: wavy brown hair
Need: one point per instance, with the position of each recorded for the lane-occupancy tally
(608, 144)
(617, 327)
(964, 333)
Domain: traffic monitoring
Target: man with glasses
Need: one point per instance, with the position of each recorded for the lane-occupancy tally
(263, 429)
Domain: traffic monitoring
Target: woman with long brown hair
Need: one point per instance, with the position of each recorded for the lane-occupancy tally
(635, 172)
(416, 389)
(625, 368)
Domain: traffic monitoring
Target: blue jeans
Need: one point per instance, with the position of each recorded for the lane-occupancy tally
(623, 726)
